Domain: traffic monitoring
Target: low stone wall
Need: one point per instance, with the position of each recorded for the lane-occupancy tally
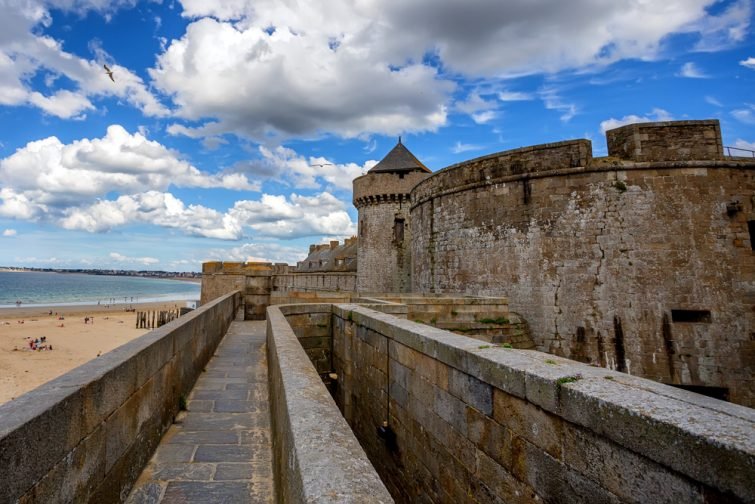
(87, 435)
(481, 422)
(316, 456)
(338, 282)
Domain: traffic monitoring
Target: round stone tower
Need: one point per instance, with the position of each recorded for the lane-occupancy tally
(382, 199)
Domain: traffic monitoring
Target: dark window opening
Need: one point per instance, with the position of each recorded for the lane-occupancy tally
(721, 393)
(401, 175)
(361, 229)
(527, 188)
(398, 230)
(691, 316)
(751, 229)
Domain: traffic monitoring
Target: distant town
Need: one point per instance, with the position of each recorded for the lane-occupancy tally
(113, 272)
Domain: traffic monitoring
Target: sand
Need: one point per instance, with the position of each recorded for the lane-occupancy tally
(73, 344)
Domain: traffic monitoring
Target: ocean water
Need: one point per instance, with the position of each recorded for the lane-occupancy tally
(64, 289)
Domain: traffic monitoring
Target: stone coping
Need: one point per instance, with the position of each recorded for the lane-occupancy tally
(705, 439)
(422, 193)
(316, 455)
(83, 435)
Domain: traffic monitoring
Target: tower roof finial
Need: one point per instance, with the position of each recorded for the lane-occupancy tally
(399, 139)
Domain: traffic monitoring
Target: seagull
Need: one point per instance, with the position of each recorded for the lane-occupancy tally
(322, 164)
(109, 73)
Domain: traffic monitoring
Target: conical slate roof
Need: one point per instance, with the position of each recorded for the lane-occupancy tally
(399, 160)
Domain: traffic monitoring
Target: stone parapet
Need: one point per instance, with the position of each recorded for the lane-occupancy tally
(488, 423)
(316, 456)
(667, 141)
(519, 163)
(85, 436)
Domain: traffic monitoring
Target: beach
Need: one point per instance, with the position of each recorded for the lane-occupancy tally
(73, 341)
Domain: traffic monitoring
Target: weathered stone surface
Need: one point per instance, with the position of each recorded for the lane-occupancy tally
(217, 454)
(86, 435)
(553, 429)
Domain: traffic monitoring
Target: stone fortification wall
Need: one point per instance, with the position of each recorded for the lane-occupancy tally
(316, 456)
(385, 230)
(87, 435)
(311, 282)
(668, 141)
(480, 423)
(646, 268)
(517, 163)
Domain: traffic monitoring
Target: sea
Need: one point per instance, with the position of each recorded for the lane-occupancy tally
(34, 288)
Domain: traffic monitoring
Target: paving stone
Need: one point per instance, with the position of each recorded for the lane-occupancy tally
(218, 394)
(232, 406)
(220, 451)
(223, 453)
(196, 492)
(233, 472)
(183, 471)
(204, 437)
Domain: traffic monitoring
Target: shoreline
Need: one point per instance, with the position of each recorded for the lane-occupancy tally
(74, 341)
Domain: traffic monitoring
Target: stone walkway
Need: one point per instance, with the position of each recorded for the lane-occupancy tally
(219, 451)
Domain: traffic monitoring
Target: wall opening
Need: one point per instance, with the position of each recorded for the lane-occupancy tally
(398, 230)
(527, 190)
(693, 316)
(751, 229)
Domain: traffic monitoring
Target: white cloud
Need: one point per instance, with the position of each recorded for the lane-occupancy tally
(243, 66)
(271, 216)
(745, 115)
(9, 232)
(748, 63)
(24, 54)
(724, 30)
(119, 161)
(459, 147)
(657, 115)
(258, 84)
(507, 96)
(691, 71)
(553, 101)
(259, 252)
(146, 261)
(287, 166)
(747, 146)
(712, 100)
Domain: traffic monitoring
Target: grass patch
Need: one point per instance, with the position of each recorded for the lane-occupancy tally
(505, 345)
(182, 405)
(551, 361)
(568, 379)
(620, 186)
(608, 377)
(482, 347)
(496, 321)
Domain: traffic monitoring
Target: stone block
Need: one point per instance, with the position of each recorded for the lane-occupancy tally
(530, 422)
(629, 476)
(472, 391)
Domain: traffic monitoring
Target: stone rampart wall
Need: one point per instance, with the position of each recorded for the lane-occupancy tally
(483, 423)
(304, 282)
(87, 435)
(511, 163)
(666, 141)
(646, 268)
(316, 456)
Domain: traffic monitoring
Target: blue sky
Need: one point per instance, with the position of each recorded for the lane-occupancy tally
(234, 128)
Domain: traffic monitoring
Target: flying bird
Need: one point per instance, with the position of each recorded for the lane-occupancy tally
(322, 164)
(109, 73)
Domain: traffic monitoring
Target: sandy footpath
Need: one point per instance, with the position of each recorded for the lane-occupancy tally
(73, 341)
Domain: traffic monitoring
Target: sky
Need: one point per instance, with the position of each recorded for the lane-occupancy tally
(232, 130)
